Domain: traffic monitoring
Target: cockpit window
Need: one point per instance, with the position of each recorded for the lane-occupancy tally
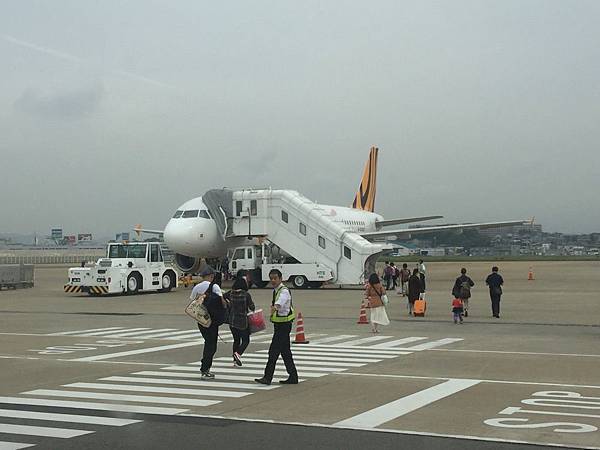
(190, 213)
(204, 214)
(177, 214)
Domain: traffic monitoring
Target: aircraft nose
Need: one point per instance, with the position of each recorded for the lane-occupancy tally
(177, 237)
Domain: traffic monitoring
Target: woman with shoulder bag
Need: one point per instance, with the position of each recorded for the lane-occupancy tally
(376, 298)
(240, 303)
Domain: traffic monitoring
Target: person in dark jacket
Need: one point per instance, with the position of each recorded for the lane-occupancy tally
(215, 304)
(495, 281)
(462, 289)
(240, 303)
(415, 289)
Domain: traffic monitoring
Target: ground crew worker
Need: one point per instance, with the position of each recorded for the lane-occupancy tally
(495, 282)
(282, 316)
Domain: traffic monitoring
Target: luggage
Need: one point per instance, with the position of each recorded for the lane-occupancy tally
(256, 321)
(419, 308)
(197, 311)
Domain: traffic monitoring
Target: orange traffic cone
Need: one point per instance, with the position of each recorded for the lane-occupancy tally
(362, 318)
(530, 276)
(300, 338)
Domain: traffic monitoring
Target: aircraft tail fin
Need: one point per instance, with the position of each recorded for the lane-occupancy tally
(365, 197)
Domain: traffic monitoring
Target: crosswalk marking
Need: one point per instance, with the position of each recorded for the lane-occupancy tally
(298, 366)
(303, 360)
(136, 352)
(307, 352)
(397, 342)
(140, 333)
(241, 370)
(121, 397)
(14, 445)
(179, 382)
(330, 339)
(432, 344)
(74, 418)
(67, 333)
(189, 335)
(174, 333)
(61, 433)
(364, 341)
(92, 405)
(340, 348)
(193, 375)
(158, 390)
(106, 333)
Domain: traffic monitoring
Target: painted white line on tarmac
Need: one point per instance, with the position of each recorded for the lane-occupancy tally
(351, 349)
(61, 433)
(180, 382)
(398, 342)
(196, 376)
(14, 445)
(136, 352)
(363, 341)
(506, 352)
(531, 383)
(432, 344)
(334, 338)
(91, 405)
(306, 352)
(121, 397)
(73, 418)
(304, 360)
(66, 333)
(157, 389)
(109, 333)
(300, 367)
(140, 333)
(173, 333)
(406, 405)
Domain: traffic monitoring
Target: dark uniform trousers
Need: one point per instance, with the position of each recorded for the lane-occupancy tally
(210, 346)
(495, 303)
(280, 345)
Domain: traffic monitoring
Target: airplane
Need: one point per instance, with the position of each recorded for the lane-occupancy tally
(192, 234)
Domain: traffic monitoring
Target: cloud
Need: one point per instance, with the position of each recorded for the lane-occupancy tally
(63, 105)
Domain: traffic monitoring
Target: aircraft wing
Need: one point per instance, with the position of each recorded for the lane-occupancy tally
(139, 230)
(386, 223)
(408, 232)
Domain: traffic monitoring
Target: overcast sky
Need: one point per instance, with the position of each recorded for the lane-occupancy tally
(114, 113)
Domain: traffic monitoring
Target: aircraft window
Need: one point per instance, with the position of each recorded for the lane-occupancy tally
(347, 252)
(321, 242)
(239, 254)
(154, 253)
(177, 214)
(249, 253)
(189, 214)
(204, 214)
(238, 208)
(253, 208)
(284, 216)
(302, 228)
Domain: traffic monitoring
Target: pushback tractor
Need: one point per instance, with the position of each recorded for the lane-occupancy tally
(126, 269)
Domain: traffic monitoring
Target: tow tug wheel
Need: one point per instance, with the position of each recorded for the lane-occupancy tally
(133, 283)
(166, 282)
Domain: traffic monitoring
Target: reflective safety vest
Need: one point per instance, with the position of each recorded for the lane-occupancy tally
(275, 317)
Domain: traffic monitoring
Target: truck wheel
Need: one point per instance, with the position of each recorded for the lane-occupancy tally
(133, 283)
(166, 282)
(299, 282)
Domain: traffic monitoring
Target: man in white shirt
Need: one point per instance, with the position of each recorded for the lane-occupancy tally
(282, 316)
(422, 273)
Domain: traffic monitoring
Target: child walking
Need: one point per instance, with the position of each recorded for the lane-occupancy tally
(457, 310)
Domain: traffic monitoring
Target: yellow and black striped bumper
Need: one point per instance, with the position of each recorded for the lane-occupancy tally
(91, 289)
(72, 289)
(98, 290)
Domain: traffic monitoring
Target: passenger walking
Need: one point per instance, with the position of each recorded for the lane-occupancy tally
(495, 282)
(215, 304)
(387, 275)
(422, 273)
(415, 290)
(457, 310)
(462, 289)
(282, 316)
(404, 276)
(240, 303)
(395, 274)
(374, 293)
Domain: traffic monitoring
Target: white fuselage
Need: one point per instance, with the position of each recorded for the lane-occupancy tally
(192, 232)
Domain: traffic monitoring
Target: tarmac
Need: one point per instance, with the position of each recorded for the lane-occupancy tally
(122, 371)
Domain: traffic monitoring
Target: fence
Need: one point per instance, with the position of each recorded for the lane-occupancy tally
(48, 259)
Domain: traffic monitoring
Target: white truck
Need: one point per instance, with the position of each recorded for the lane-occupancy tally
(127, 269)
(258, 261)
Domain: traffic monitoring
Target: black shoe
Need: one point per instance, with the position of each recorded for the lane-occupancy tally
(237, 360)
(207, 376)
(289, 381)
(262, 381)
(466, 313)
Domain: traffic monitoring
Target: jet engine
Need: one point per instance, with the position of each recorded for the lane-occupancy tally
(187, 264)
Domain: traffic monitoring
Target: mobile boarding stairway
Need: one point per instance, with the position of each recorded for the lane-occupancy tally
(301, 228)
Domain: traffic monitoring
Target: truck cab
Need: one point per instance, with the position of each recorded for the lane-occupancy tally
(127, 268)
